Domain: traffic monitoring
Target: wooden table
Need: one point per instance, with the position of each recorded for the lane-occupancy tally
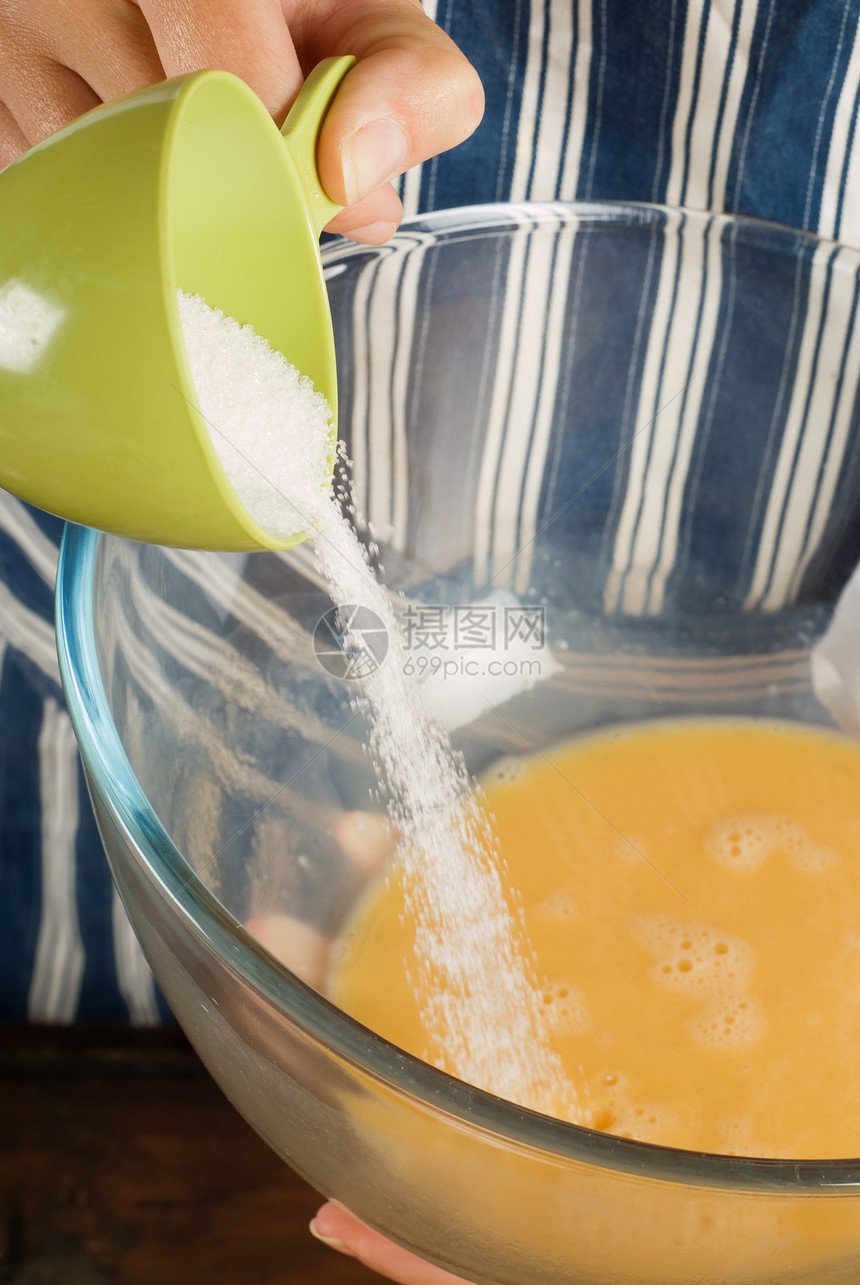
(121, 1163)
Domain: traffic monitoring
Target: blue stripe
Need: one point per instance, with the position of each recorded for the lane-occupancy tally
(100, 997)
(22, 693)
(757, 339)
(773, 168)
(596, 101)
(635, 93)
(495, 39)
(826, 118)
(838, 552)
(588, 460)
(18, 574)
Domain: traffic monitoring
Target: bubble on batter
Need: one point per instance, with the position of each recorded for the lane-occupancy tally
(693, 958)
(742, 842)
(559, 907)
(814, 857)
(566, 1008)
(736, 1133)
(739, 1139)
(729, 1022)
(787, 834)
(802, 851)
(645, 1121)
(615, 1110)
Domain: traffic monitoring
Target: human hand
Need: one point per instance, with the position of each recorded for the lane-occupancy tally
(337, 1227)
(411, 95)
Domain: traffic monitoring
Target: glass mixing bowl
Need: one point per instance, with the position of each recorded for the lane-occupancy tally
(629, 434)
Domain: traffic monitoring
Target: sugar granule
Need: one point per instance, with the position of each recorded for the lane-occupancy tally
(270, 427)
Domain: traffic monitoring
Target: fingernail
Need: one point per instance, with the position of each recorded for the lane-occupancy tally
(373, 155)
(331, 1241)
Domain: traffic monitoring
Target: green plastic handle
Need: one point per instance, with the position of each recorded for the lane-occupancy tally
(301, 133)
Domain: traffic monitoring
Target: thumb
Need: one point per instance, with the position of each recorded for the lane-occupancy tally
(411, 95)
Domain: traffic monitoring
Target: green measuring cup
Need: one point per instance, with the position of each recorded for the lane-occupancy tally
(188, 183)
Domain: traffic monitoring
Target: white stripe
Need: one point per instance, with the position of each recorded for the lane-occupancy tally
(38, 549)
(382, 336)
(808, 467)
(579, 108)
(673, 383)
(507, 350)
(653, 384)
(533, 386)
(360, 390)
(534, 465)
(221, 579)
(734, 95)
(846, 228)
(133, 975)
(686, 87)
(549, 143)
(163, 629)
(407, 370)
(380, 406)
(59, 964)
(781, 483)
(23, 628)
(542, 123)
(527, 125)
(193, 729)
(674, 474)
(689, 180)
(527, 369)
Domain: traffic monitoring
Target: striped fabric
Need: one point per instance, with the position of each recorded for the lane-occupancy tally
(746, 106)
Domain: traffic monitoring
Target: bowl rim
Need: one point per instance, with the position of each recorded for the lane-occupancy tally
(112, 777)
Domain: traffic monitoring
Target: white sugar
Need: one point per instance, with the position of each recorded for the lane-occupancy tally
(270, 427)
(476, 981)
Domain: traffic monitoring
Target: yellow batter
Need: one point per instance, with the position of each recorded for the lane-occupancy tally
(691, 891)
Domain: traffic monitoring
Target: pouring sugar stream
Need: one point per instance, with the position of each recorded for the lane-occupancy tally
(188, 184)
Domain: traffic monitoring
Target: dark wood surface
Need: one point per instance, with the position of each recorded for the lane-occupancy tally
(121, 1163)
